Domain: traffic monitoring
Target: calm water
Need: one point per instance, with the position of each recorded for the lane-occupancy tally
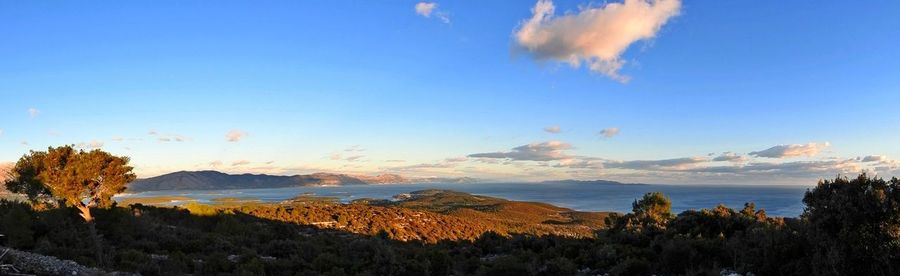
(777, 200)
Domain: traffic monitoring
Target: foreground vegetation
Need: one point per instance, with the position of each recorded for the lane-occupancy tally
(850, 226)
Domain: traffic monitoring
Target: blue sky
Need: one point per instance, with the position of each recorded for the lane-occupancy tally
(372, 87)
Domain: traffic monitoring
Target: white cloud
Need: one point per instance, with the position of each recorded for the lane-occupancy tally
(580, 163)
(24, 143)
(427, 9)
(235, 135)
(795, 150)
(596, 36)
(240, 163)
(553, 129)
(152, 132)
(546, 151)
(609, 132)
(33, 112)
(215, 163)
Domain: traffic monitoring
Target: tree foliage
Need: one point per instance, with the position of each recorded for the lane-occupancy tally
(649, 216)
(854, 225)
(77, 178)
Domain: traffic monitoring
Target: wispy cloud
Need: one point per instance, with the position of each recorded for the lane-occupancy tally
(240, 163)
(546, 151)
(456, 159)
(874, 158)
(795, 150)
(163, 138)
(553, 129)
(353, 158)
(173, 138)
(33, 112)
(730, 157)
(596, 36)
(93, 144)
(675, 163)
(429, 9)
(609, 132)
(422, 167)
(355, 148)
(337, 156)
(235, 135)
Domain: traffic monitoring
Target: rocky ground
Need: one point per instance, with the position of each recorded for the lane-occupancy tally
(31, 263)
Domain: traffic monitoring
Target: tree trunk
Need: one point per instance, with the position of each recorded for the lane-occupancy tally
(86, 214)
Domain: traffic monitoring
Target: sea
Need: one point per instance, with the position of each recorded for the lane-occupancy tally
(783, 201)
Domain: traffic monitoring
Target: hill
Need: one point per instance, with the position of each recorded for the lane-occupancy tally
(214, 180)
(515, 216)
(5, 169)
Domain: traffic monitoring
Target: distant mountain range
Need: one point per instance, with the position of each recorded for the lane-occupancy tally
(214, 180)
(590, 182)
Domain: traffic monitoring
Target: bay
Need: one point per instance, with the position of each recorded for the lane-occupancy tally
(776, 200)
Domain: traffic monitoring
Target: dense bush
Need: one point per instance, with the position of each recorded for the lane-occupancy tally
(855, 226)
